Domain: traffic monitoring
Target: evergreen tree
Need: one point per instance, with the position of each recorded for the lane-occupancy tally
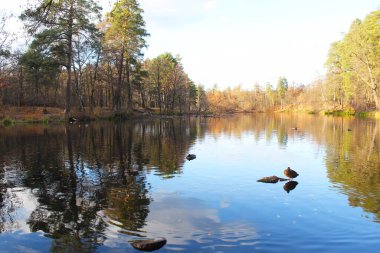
(57, 24)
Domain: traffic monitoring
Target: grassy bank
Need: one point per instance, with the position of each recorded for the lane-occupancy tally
(14, 115)
(46, 115)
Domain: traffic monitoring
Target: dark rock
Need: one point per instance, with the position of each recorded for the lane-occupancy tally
(290, 186)
(191, 157)
(72, 120)
(271, 179)
(149, 245)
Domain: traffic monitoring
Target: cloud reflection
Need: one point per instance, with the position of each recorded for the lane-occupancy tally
(190, 221)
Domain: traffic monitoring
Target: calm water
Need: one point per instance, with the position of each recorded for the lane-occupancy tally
(96, 187)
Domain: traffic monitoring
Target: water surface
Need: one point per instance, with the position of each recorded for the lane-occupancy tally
(96, 187)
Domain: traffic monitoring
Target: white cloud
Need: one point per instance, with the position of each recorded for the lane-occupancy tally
(209, 5)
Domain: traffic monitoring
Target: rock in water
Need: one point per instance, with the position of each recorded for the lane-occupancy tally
(271, 179)
(191, 157)
(290, 186)
(72, 120)
(149, 245)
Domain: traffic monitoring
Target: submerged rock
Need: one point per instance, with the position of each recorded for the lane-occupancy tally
(149, 245)
(271, 179)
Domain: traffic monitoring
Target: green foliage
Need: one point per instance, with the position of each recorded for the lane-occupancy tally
(57, 26)
(120, 116)
(169, 86)
(41, 70)
(282, 87)
(127, 27)
(339, 112)
(125, 38)
(109, 71)
(7, 121)
(354, 62)
(270, 94)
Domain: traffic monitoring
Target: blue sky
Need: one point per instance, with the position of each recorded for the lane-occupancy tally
(232, 42)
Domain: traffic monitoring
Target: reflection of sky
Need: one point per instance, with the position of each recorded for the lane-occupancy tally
(190, 224)
(217, 205)
(218, 192)
(19, 205)
(184, 219)
(18, 238)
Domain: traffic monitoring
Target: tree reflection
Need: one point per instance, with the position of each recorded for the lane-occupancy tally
(77, 171)
(353, 159)
(67, 210)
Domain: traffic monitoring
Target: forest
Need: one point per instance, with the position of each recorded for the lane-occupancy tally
(79, 61)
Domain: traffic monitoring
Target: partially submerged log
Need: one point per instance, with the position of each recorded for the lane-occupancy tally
(271, 179)
(149, 245)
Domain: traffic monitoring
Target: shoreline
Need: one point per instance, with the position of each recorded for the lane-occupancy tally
(50, 115)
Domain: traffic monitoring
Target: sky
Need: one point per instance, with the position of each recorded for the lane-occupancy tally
(244, 42)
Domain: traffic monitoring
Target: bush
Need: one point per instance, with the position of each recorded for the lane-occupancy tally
(7, 121)
(348, 112)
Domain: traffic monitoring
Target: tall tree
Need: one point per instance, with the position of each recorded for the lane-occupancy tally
(57, 23)
(5, 54)
(202, 102)
(282, 87)
(40, 70)
(126, 37)
(355, 60)
(363, 47)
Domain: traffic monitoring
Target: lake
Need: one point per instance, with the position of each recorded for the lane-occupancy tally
(96, 187)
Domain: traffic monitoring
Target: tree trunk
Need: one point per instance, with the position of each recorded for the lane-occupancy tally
(119, 81)
(21, 84)
(376, 98)
(142, 95)
(129, 88)
(159, 91)
(69, 58)
(93, 81)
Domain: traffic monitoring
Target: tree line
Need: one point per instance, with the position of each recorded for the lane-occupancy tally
(79, 60)
(351, 83)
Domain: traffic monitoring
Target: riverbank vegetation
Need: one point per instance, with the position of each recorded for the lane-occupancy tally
(81, 63)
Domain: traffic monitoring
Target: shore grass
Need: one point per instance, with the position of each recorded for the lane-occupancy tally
(7, 121)
(347, 112)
